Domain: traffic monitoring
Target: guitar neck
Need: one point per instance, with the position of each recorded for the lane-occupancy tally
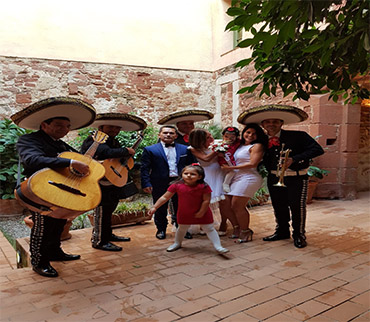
(138, 141)
(92, 149)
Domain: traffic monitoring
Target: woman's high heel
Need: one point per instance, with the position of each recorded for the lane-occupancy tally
(235, 232)
(245, 236)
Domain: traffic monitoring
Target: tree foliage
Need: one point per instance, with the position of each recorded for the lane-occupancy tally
(305, 46)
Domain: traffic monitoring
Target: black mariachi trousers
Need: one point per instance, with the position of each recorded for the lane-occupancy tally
(45, 238)
(289, 200)
(102, 231)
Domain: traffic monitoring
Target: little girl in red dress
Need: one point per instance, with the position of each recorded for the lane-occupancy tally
(194, 196)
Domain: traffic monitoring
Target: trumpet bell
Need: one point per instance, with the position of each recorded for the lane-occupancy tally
(279, 184)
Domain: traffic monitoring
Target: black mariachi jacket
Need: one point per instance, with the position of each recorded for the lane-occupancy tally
(38, 150)
(110, 149)
(304, 148)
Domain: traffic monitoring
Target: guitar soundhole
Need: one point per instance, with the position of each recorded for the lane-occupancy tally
(64, 187)
(115, 171)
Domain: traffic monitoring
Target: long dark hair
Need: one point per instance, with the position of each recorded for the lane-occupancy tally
(261, 136)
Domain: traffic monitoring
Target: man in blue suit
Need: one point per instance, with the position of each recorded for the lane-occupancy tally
(161, 164)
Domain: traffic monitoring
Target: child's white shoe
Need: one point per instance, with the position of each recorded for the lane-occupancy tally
(173, 247)
(222, 250)
(226, 187)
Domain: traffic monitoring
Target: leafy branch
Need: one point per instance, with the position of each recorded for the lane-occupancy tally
(305, 47)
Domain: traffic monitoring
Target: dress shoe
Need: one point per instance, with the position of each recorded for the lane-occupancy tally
(119, 238)
(160, 234)
(300, 241)
(188, 235)
(63, 257)
(45, 270)
(108, 247)
(173, 247)
(276, 236)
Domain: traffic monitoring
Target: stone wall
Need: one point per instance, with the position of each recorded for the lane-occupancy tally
(150, 93)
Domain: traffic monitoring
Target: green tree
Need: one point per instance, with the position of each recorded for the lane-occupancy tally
(305, 46)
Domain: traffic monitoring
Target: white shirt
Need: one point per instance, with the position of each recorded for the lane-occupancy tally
(170, 153)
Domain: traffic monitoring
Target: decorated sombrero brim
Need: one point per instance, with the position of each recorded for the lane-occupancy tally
(80, 113)
(187, 115)
(127, 122)
(289, 114)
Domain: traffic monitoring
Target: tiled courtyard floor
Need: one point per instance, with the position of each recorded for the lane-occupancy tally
(257, 281)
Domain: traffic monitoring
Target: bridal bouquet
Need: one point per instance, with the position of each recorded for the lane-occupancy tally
(220, 147)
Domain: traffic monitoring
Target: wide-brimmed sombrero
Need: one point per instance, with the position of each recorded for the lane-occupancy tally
(187, 115)
(289, 114)
(127, 122)
(80, 113)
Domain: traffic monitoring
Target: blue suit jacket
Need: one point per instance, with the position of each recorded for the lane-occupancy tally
(154, 165)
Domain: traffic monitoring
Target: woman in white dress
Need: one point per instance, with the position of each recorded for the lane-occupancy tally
(200, 141)
(246, 180)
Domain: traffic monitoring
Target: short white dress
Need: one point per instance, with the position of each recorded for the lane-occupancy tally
(214, 177)
(245, 182)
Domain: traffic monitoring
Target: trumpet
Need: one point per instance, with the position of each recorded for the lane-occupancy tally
(282, 166)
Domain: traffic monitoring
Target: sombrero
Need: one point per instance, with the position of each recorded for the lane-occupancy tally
(80, 113)
(188, 115)
(127, 122)
(289, 114)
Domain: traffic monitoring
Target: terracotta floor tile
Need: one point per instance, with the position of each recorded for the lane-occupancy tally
(362, 299)
(231, 293)
(306, 310)
(335, 297)
(232, 307)
(268, 309)
(266, 294)
(363, 317)
(300, 296)
(201, 316)
(197, 292)
(327, 284)
(195, 306)
(358, 286)
(159, 305)
(263, 282)
(346, 311)
(240, 317)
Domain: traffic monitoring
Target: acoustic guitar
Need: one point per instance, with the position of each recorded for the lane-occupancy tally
(67, 188)
(116, 169)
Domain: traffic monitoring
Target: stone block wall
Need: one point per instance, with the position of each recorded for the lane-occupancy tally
(150, 93)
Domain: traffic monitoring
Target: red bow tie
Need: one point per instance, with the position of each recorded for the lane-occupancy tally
(273, 141)
(186, 138)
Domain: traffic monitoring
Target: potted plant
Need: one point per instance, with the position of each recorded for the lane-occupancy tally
(128, 213)
(9, 134)
(314, 173)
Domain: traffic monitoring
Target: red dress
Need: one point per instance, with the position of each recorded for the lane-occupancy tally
(190, 199)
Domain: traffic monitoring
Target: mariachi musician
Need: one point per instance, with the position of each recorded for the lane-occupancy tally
(292, 151)
(113, 185)
(53, 118)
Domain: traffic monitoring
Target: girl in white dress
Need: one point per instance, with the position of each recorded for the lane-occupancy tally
(200, 140)
(246, 180)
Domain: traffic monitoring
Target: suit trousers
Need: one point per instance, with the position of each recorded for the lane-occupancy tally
(289, 202)
(160, 216)
(45, 238)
